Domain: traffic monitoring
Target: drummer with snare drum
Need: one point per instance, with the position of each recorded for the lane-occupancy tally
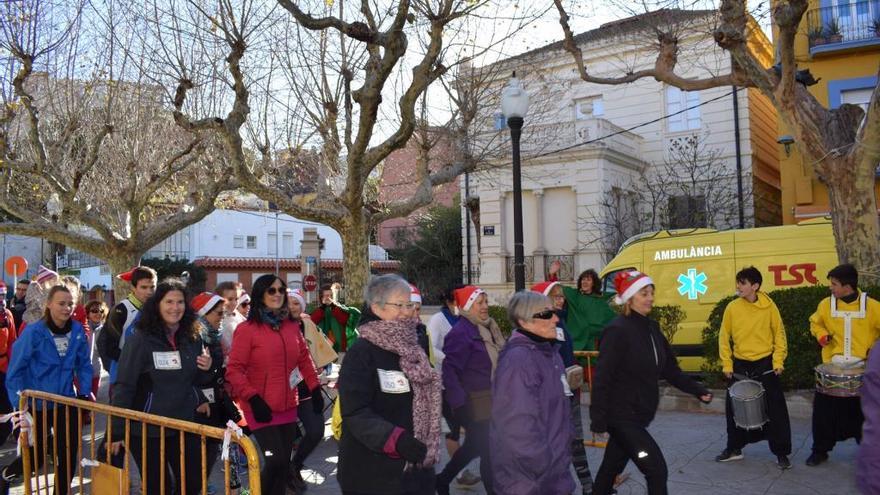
(846, 324)
(753, 325)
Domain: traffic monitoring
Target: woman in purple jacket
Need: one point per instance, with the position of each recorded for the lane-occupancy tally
(868, 462)
(531, 431)
(471, 352)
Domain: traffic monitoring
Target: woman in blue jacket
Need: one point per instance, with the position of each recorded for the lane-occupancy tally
(48, 355)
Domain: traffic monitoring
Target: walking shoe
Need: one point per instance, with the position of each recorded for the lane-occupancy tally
(295, 481)
(467, 478)
(782, 462)
(816, 458)
(729, 455)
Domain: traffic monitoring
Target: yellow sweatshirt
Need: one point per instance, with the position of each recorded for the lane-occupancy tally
(756, 331)
(864, 330)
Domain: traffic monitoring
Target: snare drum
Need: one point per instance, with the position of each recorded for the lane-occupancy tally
(749, 407)
(838, 381)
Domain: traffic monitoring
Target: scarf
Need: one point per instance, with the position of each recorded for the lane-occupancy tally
(492, 337)
(273, 318)
(399, 337)
(209, 334)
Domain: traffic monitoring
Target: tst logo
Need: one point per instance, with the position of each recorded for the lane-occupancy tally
(785, 275)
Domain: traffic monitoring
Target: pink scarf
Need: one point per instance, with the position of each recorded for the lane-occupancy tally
(399, 337)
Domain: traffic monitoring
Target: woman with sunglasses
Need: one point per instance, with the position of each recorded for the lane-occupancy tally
(471, 352)
(531, 428)
(268, 360)
(96, 312)
(633, 356)
(389, 398)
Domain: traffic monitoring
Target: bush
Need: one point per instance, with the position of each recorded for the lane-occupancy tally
(499, 314)
(795, 306)
(669, 318)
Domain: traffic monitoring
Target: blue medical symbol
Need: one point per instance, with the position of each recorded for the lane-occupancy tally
(692, 284)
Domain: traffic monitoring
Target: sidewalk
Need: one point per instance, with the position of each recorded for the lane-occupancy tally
(690, 442)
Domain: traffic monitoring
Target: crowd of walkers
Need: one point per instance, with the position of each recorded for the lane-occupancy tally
(512, 400)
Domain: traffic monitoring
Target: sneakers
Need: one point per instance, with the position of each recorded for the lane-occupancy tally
(782, 462)
(816, 458)
(729, 455)
(467, 479)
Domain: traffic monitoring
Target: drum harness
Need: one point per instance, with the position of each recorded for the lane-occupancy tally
(848, 317)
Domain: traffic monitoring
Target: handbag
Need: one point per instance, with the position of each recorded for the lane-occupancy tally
(481, 405)
(574, 375)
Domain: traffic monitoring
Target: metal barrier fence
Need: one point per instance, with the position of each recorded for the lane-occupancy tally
(85, 409)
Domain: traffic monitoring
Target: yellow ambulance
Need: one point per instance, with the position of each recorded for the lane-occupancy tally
(695, 268)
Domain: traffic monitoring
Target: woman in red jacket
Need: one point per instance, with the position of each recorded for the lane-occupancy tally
(268, 359)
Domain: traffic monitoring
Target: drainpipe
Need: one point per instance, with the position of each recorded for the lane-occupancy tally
(467, 226)
(739, 168)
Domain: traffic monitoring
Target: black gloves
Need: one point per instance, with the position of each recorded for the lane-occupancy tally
(318, 401)
(410, 448)
(262, 411)
(231, 411)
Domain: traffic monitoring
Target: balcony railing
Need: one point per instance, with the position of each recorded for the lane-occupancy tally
(529, 269)
(828, 27)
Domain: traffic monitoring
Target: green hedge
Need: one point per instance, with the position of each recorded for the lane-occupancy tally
(499, 314)
(795, 307)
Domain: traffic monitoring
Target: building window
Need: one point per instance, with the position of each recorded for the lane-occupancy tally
(238, 241)
(860, 97)
(287, 244)
(588, 108)
(252, 242)
(686, 212)
(500, 122)
(271, 243)
(678, 118)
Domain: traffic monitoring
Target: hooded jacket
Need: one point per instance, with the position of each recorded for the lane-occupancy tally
(466, 365)
(756, 331)
(868, 462)
(37, 365)
(531, 430)
(633, 356)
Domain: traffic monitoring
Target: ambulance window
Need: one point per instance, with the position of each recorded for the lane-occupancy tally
(608, 281)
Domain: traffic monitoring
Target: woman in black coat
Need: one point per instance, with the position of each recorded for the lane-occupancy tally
(633, 356)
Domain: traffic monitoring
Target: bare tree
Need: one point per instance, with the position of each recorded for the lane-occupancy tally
(351, 82)
(842, 145)
(692, 188)
(90, 155)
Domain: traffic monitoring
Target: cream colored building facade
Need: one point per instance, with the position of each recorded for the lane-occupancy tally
(569, 179)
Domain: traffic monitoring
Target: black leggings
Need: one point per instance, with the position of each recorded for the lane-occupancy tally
(313, 424)
(631, 441)
(67, 433)
(476, 444)
(192, 457)
(276, 444)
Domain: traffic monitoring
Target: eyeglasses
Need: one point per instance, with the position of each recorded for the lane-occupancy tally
(276, 290)
(547, 314)
(407, 306)
(96, 311)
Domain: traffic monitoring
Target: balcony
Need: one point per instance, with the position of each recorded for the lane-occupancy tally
(843, 26)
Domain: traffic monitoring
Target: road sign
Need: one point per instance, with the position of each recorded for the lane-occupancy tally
(311, 260)
(16, 266)
(310, 282)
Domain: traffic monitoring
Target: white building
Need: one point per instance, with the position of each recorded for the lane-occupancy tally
(233, 234)
(579, 156)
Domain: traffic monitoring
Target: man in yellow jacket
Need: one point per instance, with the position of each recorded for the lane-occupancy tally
(753, 325)
(839, 418)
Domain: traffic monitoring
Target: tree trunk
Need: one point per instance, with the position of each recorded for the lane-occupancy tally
(120, 263)
(355, 235)
(854, 218)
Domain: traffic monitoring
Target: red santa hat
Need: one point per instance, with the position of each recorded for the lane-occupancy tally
(628, 283)
(544, 287)
(205, 302)
(415, 295)
(465, 296)
(44, 274)
(298, 295)
(126, 276)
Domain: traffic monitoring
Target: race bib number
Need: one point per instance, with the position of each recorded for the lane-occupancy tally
(560, 335)
(393, 382)
(62, 343)
(167, 360)
(295, 378)
(209, 394)
(565, 387)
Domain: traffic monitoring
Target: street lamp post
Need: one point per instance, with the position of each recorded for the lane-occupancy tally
(514, 105)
